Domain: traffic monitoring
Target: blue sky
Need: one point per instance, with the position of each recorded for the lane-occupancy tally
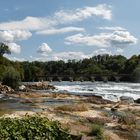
(46, 30)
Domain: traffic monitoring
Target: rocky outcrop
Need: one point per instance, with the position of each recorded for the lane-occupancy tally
(40, 86)
(5, 89)
(127, 99)
(95, 99)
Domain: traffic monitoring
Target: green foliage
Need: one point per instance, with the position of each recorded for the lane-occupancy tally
(11, 77)
(31, 128)
(100, 65)
(97, 131)
(4, 49)
(136, 74)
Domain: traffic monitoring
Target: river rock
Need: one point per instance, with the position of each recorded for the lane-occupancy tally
(137, 101)
(127, 99)
(22, 88)
(95, 99)
(5, 89)
(40, 86)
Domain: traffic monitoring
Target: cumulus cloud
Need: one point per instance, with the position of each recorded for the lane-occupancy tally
(29, 23)
(61, 30)
(44, 49)
(72, 55)
(119, 39)
(55, 56)
(122, 39)
(59, 17)
(14, 48)
(102, 10)
(14, 35)
(80, 39)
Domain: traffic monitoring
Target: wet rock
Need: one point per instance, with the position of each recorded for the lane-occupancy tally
(114, 109)
(98, 100)
(5, 89)
(41, 86)
(137, 101)
(22, 87)
(127, 99)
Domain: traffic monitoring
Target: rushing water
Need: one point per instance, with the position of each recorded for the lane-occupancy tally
(110, 90)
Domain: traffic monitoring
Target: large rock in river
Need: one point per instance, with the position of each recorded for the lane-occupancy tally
(137, 101)
(41, 86)
(127, 99)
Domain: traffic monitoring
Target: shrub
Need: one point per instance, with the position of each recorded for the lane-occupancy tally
(11, 77)
(32, 128)
(127, 118)
(97, 130)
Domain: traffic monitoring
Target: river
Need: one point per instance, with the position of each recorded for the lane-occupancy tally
(110, 90)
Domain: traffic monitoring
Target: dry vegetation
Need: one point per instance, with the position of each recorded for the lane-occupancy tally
(71, 108)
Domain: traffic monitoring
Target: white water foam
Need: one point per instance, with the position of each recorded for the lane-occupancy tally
(112, 91)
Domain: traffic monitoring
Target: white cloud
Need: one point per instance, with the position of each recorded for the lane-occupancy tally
(60, 17)
(65, 56)
(14, 35)
(102, 10)
(119, 50)
(60, 31)
(44, 49)
(119, 39)
(80, 39)
(62, 56)
(16, 58)
(29, 23)
(116, 28)
(102, 51)
(122, 39)
(14, 48)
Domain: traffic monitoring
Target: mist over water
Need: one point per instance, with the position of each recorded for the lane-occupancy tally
(110, 90)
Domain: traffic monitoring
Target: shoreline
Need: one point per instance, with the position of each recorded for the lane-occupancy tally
(78, 112)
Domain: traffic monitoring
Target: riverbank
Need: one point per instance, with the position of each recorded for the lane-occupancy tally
(119, 120)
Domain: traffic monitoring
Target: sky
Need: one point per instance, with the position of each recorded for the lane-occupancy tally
(44, 30)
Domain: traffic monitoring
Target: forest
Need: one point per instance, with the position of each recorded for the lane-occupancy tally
(101, 65)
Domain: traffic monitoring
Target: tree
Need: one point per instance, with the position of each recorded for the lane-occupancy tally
(136, 74)
(4, 49)
(11, 77)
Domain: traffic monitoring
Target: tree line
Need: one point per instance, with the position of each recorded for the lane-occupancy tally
(100, 64)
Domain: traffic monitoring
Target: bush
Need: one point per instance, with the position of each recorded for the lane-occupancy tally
(11, 77)
(127, 118)
(97, 130)
(31, 128)
(136, 74)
